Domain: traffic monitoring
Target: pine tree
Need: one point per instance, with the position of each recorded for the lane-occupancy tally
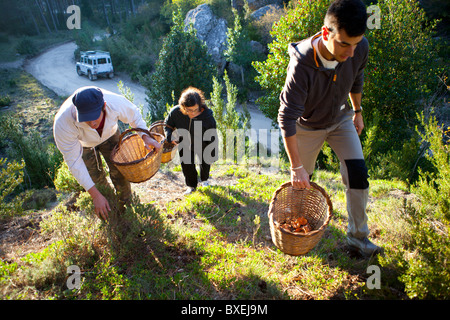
(183, 61)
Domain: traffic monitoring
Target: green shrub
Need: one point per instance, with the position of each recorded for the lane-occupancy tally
(26, 46)
(227, 118)
(65, 181)
(423, 261)
(136, 57)
(11, 176)
(41, 158)
(5, 100)
(433, 187)
(299, 23)
(135, 48)
(398, 78)
(170, 7)
(401, 73)
(240, 52)
(183, 61)
(84, 38)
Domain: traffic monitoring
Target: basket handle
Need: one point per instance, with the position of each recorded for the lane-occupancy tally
(313, 186)
(150, 134)
(160, 123)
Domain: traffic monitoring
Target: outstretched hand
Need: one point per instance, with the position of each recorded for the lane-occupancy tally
(151, 143)
(101, 205)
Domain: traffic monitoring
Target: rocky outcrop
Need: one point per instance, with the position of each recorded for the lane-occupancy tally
(257, 4)
(210, 29)
(259, 13)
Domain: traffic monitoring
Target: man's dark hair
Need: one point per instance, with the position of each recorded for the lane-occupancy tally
(350, 15)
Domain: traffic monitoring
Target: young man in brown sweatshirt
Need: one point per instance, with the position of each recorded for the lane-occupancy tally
(325, 70)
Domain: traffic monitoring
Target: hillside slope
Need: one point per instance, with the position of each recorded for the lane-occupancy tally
(213, 244)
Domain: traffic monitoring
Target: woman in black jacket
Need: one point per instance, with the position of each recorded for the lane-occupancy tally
(196, 128)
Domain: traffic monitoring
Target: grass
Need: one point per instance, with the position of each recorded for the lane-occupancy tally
(33, 104)
(213, 244)
(9, 44)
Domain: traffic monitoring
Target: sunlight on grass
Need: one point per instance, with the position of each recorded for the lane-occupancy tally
(212, 244)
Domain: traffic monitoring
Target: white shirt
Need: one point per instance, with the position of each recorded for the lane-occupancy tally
(71, 136)
(326, 63)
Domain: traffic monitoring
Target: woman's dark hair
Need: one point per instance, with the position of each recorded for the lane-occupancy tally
(350, 15)
(192, 96)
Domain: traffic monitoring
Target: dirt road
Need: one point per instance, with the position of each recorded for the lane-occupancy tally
(55, 69)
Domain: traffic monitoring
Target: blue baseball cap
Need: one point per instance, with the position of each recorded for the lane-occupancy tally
(89, 103)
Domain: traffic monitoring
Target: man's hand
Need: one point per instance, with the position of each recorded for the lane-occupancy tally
(358, 122)
(299, 175)
(300, 178)
(357, 118)
(150, 143)
(101, 205)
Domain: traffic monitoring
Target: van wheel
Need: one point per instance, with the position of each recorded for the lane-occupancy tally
(91, 77)
(79, 72)
(111, 75)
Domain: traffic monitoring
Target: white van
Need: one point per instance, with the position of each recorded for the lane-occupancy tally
(94, 64)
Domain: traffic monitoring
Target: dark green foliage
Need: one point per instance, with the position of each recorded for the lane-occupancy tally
(135, 49)
(65, 181)
(26, 46)
(402, 72)
(5, 100)
(11, 175)
(423, 261)
(241, 53)
(41, 159)
(299, 23)
(183, 61)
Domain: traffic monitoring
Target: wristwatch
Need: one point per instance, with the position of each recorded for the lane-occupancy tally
(359, 110)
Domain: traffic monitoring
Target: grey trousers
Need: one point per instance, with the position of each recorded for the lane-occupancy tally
(344, 141)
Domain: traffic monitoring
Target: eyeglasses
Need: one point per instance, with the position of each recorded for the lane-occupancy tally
(190, 110)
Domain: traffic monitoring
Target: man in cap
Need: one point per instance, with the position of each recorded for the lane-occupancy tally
(86, 124)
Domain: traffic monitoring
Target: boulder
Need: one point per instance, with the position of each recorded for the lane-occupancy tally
(210, 29)
(258, 48)
(256, 4)
(259, 13)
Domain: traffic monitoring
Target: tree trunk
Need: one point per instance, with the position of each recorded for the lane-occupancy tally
(106, 15)
(34, 22)
(55, 13)
(132, 7)
(51, 15)
(43, 16)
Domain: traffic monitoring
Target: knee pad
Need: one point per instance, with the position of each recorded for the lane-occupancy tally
(357, 174)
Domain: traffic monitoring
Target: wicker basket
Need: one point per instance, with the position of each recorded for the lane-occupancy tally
(133, 160)
(170, 148)
(314, 204)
